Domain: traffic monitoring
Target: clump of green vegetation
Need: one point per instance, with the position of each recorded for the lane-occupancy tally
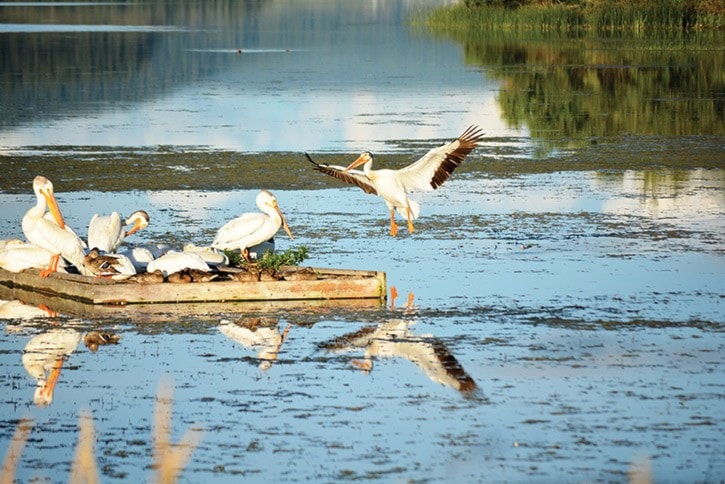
(567, 16)
(271, 260)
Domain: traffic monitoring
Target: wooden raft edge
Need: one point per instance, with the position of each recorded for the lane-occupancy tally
(354, 284)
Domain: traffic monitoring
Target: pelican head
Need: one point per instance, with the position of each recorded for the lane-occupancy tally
(265, 201)
(44, 188)
(140, 220)
(365, 158)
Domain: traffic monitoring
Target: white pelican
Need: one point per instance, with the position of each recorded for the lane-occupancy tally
(212, 257)
(43, 359)
(16, 257)
(52, 235)
(250, 229)
(139, 257)
(106, 232)
(10, 243)
(428, 173)
(174, 261)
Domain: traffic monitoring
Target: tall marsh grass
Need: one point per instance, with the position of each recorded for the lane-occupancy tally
(580, 16)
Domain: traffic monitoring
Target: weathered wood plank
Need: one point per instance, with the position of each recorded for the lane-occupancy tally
(332, 284)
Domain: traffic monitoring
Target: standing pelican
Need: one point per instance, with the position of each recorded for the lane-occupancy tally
(52, 235)
(428, 173)
(250, 229)
(106, 232)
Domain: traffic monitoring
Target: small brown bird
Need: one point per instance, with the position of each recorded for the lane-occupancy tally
(300, 274)
(155, 277)
(94, 339)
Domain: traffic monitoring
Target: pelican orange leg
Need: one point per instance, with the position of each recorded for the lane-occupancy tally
(393, 225)
(52, 266)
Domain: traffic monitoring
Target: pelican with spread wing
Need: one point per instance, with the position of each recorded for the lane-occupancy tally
(428, 173)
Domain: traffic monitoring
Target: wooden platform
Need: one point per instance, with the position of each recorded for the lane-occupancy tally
(332, 284)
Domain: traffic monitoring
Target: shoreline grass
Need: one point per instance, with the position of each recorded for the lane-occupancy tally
(577, 17)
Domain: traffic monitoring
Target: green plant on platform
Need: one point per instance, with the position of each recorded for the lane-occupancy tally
(271, 260)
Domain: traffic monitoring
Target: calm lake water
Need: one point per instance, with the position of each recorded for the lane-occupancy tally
(566, 284)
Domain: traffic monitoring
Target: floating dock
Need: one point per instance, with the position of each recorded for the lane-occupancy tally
(331, 284)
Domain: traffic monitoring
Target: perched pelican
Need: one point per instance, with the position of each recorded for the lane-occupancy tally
(428, 173)
(43, 359)
(10, 243)
(139, 257)
(174, 261)
(51, 236)
(211, 256)
(17, 257)
(106, 232)
(250, 229)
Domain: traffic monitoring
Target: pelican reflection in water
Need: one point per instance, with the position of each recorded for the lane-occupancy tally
(43, 359)
(261, 334)
(394, 339)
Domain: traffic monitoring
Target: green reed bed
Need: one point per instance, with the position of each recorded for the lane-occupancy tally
(599, 16)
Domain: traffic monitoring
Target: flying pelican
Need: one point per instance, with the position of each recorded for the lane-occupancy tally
(250, 229)
(52, 235)
(106, 232)
(428, 173)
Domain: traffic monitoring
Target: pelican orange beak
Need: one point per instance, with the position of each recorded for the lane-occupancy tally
(137, 225)
(364, 158)
(284, 221)
(53, 207)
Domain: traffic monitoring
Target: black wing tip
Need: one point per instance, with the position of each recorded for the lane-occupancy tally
(311, 160)
(472, 134)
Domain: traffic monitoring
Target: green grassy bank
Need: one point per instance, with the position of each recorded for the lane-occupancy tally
(585, 16)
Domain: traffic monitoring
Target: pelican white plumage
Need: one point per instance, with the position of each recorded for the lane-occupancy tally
(52, 235)
(174, 261)
(43, 359)
(211, 256)
(428, 173)
(107, 232)
(16, 257)
(250, 229)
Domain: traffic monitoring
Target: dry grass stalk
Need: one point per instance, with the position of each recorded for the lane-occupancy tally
(15, 450)
(84, 469)
(170, 459)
